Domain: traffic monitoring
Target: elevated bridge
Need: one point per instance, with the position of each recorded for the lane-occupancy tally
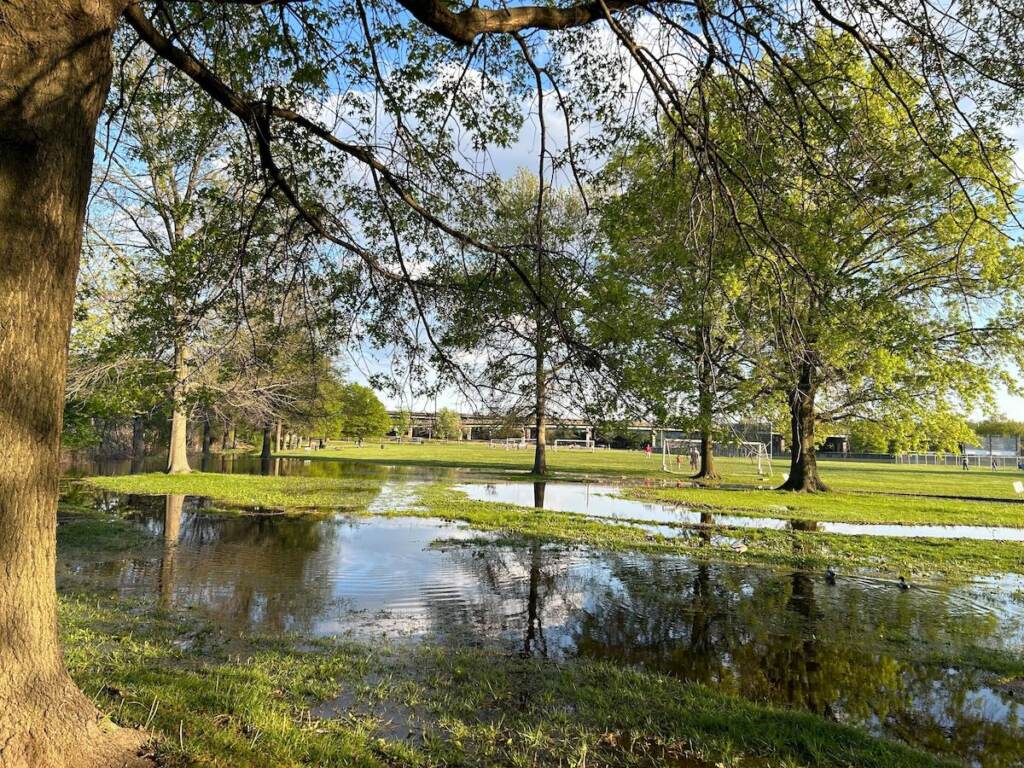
(482, 425)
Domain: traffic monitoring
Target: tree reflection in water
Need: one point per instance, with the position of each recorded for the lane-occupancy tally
(849, 651)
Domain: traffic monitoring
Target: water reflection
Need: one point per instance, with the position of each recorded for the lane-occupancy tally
(851, 651)
(248, 464)
(601, 501)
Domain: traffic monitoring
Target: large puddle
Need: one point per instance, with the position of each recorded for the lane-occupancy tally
(600, 501)
(898, 663)
(918, 665)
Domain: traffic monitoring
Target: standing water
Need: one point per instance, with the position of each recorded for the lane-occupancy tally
(909, 665)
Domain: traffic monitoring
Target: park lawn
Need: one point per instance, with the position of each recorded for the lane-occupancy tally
(951, 559)
(213, 700)
(838, 506)
(855, 476)
(892, 556)
(256, 491)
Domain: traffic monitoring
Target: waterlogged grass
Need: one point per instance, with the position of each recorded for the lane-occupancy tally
(891, 556)
(839, 506)
(932, 558)
(211, 700)
(96, 532)
(288, 493)
(845, 476)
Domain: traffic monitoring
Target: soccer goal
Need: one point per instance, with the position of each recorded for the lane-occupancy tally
(760, 455)
(584, 445)
(676, 455)
(681, 456)
(512, 443)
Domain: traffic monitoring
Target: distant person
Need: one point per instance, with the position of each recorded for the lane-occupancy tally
(694, 458)
(994, 465)
(1020, 464)
(965, 463)
(648, 449)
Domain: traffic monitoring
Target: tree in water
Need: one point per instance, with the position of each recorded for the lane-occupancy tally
(523, 361)
(272, 71)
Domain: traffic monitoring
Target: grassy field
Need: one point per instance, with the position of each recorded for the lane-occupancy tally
(890, 556)
(887, 556)
(252, 491)
(214, 700)
(846, 476)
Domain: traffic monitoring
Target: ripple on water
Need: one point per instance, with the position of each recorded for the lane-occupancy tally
(860, 651)
(602, 501)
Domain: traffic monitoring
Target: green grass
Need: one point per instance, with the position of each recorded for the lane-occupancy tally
(213, 700)
(287, 493)
(839, 506)
(631, 465)
(890, 556)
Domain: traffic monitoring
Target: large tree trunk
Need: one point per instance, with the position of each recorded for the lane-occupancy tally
(706, 408)
(177, 449)
(803, 466)
(266, 453)
(54, 73)
(707, 469)
(138, 437)
(540, 453)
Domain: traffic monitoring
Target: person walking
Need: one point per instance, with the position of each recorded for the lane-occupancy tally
(694, 458)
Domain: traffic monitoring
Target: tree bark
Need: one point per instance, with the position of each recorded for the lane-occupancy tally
(540, 454)
(803, 465)
(177, 449)
(54, 72)
(707, 469)
(138, 437)
(706, 406)
(277, 442)
(266, 453)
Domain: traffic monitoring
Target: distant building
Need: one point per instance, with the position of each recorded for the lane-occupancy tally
(995, 445)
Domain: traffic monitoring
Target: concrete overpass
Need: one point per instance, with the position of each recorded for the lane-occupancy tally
(425, 421)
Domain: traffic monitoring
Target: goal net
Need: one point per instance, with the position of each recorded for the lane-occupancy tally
(681, 456)
(512, 443)
(585, 445)
(677, 455)
(760, 456)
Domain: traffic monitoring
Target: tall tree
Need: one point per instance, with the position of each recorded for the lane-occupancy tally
(671, 293)
(172, 220)
(894, 287)
(270, 70)
(525, 362)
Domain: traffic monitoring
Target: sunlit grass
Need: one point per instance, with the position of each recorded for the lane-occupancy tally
(890, 556)
(213, 700)
(632, 465)
(289, 493)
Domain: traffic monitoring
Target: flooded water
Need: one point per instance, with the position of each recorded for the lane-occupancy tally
(858, 651)
(245, 464)
(601, 501)
(911, 665)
